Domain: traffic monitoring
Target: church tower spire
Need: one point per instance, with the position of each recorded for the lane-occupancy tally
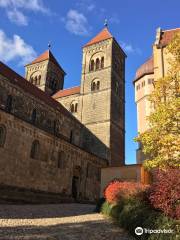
(46, 73)
(102, 91)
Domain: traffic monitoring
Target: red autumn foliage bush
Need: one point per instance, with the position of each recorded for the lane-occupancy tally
(165, 192)
(118, 190)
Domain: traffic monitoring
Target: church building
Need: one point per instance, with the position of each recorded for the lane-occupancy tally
(56, 140)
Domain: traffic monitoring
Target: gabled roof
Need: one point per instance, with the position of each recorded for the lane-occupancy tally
(103, 35)
(67, 92)
(144, 69)
(47, 55)
(167, 35)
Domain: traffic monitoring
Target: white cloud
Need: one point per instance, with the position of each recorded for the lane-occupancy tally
(34, 5)
(76, 23)
(128, 48)
(15, 49)
(14, 9)
(17, 17)
(86, 5)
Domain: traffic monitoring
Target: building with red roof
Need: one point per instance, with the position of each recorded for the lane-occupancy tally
(56, 140)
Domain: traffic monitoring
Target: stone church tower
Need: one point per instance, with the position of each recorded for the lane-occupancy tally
(103, 93)
(46, 73)
(98, 103)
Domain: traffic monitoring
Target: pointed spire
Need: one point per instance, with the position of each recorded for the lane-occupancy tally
(103, 35)
(47, 55)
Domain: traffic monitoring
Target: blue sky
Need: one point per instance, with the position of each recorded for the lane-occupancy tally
(26, 27)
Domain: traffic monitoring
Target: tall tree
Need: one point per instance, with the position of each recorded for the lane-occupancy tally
(161, 142)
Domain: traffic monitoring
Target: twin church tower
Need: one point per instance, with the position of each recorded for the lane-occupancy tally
(99, 101)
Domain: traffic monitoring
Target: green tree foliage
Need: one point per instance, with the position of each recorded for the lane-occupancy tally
(161, 142)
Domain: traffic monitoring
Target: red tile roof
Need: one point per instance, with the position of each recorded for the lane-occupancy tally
(67, 92)
(167, 35)
(103, 35)
(47, 55)
(31, 89)
(146, 68)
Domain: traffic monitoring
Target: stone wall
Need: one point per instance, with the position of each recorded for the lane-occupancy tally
(18, 169)
(63, 152)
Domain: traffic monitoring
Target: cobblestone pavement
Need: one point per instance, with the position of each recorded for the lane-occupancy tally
(56, 222)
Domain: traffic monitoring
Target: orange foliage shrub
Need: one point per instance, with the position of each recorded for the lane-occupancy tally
(118, 190)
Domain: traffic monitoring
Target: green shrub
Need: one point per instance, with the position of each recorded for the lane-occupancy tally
(139, 214)
(136, 214)
(111, 210)
(106, 208)
(163, 222)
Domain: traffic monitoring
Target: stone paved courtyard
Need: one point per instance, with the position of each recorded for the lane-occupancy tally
(60, 221)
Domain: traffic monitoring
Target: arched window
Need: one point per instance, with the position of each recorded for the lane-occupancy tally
(61, 160)
(2, 135)
(33, 116)
(102, 62)
(74, 107)
(98, 85)
(9, 103)
(31, 80)
(97, 64)
(92, 65)
(95, 85)
(35, 80)
(54, 84)
(35, 149)
(39, 79)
